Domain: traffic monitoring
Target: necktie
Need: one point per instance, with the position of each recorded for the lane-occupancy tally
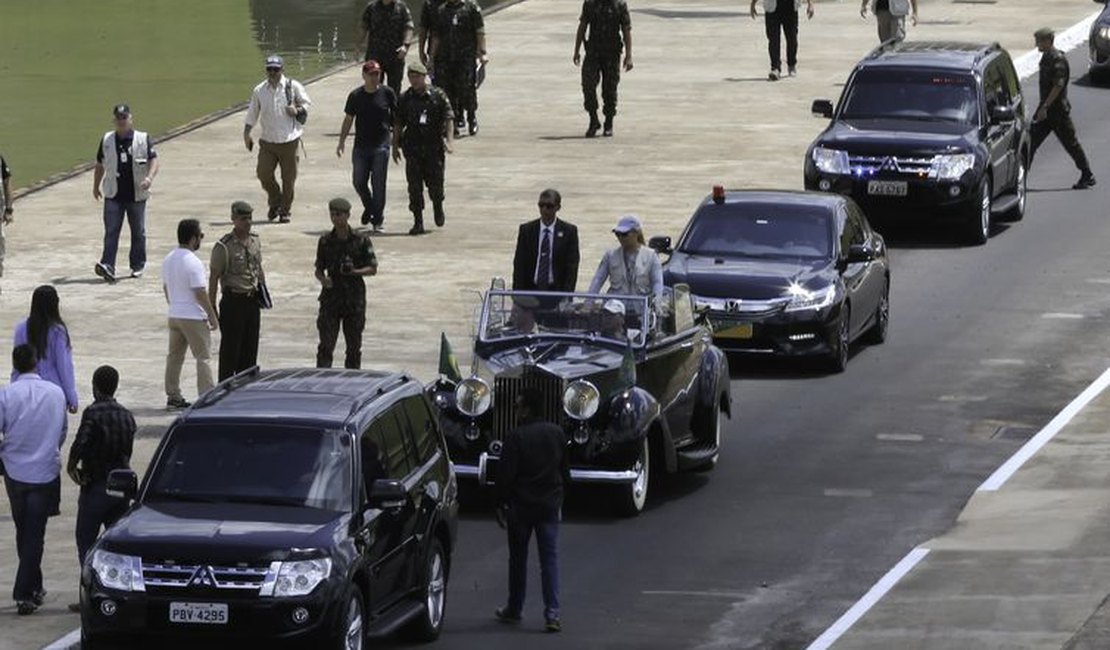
(543, 270)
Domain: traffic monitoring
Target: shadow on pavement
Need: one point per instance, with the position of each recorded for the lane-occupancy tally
(89, 281)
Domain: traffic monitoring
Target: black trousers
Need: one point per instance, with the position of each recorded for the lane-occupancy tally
(603, 68)
(1059, 122)
(782, 21)
(240, 320)
(393, 69)
(31, 505)
(95, 510)
(424, 167)
(328, 323)
(456, 77)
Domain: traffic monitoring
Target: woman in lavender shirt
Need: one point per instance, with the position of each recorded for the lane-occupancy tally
(45, 330)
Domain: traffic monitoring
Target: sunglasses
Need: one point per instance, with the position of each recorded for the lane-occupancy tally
(622, 234)
(545, 204)
(337, 212)
(273, 69)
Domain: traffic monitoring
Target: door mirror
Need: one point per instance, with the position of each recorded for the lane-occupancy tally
(1002, 114)
(822, 108)
(388, 494)
(122, 483)
(660, 244)
(858, 253)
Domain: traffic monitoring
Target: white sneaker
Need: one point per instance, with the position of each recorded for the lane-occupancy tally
(137, 274)
(774, 75)
(793, 71)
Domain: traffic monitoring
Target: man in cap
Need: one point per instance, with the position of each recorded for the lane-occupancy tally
(607, 21)
(7, 212)
(632, 268)
(387, 33)
(236, 267)
(373, 106)
(546, 257)
(1053, 114)
(343, 258)
(890, 15)
(126, 164)
(458, 45)
(281, 105)
(612, 319)
(423, 132)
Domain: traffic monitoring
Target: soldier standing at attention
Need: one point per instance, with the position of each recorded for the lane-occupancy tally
(427, 24)
(343, 258)
(458, 42)
(236, 266)
(1054, 112)
(387, 33)
(423, 132)
(607, 21)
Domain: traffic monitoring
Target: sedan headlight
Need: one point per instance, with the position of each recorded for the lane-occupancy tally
(1104, 33)
(581, 399)
(802, 299)
(831, 161)
(715, 304)
(119, 572)
(300, 577)
(950, 167)
(473, 397)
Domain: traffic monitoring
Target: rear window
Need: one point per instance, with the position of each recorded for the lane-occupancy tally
(912, 95)
(760, 230)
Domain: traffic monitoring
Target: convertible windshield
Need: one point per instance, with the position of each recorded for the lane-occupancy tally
(255, 464)
(760, 230)
(912, 95)
(519, 314)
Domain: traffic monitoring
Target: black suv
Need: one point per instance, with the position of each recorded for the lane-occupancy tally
(303, 507)
(928, 128)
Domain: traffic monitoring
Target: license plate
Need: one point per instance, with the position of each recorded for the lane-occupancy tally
(203, 613)
(887, 188)
(738, 331)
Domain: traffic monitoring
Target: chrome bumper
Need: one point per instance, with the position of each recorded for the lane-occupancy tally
(608, 477)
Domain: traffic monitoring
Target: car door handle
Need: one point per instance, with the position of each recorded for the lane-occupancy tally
(687, 345)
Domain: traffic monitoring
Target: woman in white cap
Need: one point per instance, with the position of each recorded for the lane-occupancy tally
(631, 268)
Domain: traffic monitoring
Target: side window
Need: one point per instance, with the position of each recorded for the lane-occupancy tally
(994, 85)
(1009, 75)
(423, 427)
(387, 434)
(852, 232)
(683, 308)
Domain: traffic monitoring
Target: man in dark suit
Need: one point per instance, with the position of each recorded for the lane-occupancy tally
(546, 256)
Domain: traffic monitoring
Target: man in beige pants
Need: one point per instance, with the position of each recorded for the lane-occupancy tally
(191, 316)
(891, 17)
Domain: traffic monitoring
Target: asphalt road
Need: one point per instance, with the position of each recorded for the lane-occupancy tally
(825, 482)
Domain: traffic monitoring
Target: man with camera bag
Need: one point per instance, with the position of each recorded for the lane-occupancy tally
(343, 258)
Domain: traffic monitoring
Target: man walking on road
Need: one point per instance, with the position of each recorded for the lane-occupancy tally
(546, 257)
(236, 267)
(458, 46)
(1054, 112)
(281, 105)
(343, 258)
(387, 33)
(33, 428)
(372, 108)
(781, 18)
(423, 132)
(191, 315)
(891, 17)
(533, 471)
(610, 31)
(7, 212)
(126, 164)
(428, 15)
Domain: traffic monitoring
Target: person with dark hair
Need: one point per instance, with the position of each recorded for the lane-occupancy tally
(631, 268)
(48, 336)
(533, 471)
(191, 315)
(343, 259)
(546, 255)
(386, 35)
(236, 269)
(103, 443)
(32, 430)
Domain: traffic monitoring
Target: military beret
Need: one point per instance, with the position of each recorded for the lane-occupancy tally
(339, 205)
(1044, 32)
(418, 68)
(241, 208)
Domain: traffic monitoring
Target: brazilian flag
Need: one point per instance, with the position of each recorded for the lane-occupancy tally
(448, 364)
(626, 378)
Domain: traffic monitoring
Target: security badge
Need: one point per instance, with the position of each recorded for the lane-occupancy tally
(423, 117)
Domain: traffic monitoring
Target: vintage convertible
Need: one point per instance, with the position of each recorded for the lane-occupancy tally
(635, 385)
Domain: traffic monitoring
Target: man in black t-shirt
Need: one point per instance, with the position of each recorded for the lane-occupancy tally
(373, 105)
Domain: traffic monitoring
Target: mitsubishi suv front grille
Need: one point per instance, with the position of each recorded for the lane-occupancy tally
(891, 164)
(181, 576)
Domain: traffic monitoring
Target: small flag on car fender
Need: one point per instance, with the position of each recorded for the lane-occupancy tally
(448, 364)
(627, 377)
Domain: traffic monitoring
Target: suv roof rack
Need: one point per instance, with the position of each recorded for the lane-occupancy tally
(381, 385)
(225, 387)
(981, 50)
(377, 391)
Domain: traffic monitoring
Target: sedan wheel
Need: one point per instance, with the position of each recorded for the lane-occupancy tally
(878, 332)
(979, 223)
(838, 358)
(633, 496)
(427, 627)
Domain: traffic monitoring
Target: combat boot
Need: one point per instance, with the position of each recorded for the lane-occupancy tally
(1086, 180)
(608, 131)
(417, 224)
(437, 208)
(595, 124)
(473, 120)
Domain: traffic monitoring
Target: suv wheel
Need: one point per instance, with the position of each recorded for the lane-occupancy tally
(350, 635)
(632, 497)
(426, 627)
(1017, 212)
(979, 214)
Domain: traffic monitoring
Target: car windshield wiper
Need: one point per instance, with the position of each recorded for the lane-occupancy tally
(174, 495)
(265, 500)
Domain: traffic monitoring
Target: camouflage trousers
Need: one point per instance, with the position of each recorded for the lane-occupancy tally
(456, 78)
(352, 319)
(1059, 122)
(424, 168)
(606, 69)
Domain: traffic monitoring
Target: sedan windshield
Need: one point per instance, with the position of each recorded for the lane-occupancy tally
(912, 95)
(760, 230)
(255, 464)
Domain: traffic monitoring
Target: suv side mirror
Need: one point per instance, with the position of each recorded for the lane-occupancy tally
(1002, 114)
(858, 253)
(388, 494)
(122, 483)
(822, 108)
(660, 244)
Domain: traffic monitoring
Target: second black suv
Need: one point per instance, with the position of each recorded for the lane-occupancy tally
(307, 507)
(933, 128)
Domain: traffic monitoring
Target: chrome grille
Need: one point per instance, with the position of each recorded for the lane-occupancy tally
(891, 165)
(180, 576)
(505, 390)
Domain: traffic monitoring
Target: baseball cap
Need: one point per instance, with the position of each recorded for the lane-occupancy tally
(339, 204)
(628, 223)
(417, 67)
(371, 66)
(275, 61)
(614, 306)
(1044, 32)
(121, 110)
(240, 208)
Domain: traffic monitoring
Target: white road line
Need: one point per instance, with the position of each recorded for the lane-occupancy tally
(873, 596)
(1061, 315)
(731, 595)
(850, 493)
(71, 640)
(1003, 362)
(1027, 64)
(900, 437)
(1003, 474)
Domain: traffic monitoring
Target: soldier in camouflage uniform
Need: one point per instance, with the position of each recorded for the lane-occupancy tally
(423, 133)
(458, 42)
(343, 258)
(607, 21)
(1054, 112)
(427, 23)
(387, 32)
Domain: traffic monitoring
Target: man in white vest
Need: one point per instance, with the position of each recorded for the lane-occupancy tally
(126, 165)
(781, 18)
(891, 16)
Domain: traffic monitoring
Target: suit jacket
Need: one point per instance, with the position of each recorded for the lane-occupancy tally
(564, 256)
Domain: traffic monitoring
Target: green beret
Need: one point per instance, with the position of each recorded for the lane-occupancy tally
(339, 205)
(1044, 32)
(240, 208)
(418, 68)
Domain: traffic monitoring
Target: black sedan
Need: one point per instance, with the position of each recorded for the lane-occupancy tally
(1098, 42)
(784, 273)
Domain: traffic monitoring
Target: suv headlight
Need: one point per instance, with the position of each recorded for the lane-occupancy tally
(802, 299)
(473, 397)
(119, 572)
(581, 399)
(299, 578)
(831, 161)
(950, 167)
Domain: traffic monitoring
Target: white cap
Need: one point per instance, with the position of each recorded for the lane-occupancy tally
(614, 306)
(628, 223)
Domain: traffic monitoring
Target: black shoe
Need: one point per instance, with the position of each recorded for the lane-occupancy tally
(459, 126)
(105, 271)
(74, 607)
(39, 597)
(773, 75)
(367, 218)
(440, 217)
(595, 126)
(1086, 180)
(25, 607)
(174, 403)
(272, 214)
(504, 615)
(553, 625)
(473, 130)
(284, 216)
(608, 130)
(417, 229)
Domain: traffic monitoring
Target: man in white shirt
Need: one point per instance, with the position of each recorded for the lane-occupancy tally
(191, 316)
(281, 105)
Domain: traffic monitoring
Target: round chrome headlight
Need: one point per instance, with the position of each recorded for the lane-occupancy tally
(581, 399)
(473, 397)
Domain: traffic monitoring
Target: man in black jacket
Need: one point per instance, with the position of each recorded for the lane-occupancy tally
(546, 257)
(534, 468)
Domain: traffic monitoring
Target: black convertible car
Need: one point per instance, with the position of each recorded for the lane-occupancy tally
(635, 385)
(788, 273)
(1098, 43)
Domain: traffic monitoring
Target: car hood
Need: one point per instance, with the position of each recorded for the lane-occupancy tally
(221, 532)
(898, 137)
(566, 359)
(746, 278)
